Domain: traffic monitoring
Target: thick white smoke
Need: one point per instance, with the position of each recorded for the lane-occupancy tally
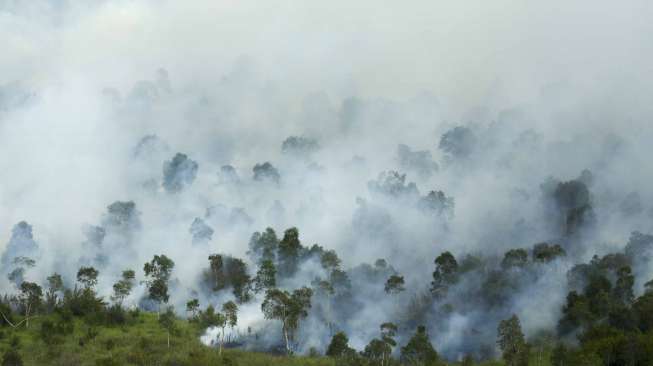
(96, 97)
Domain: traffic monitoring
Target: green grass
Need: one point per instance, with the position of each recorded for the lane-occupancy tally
(142, 342)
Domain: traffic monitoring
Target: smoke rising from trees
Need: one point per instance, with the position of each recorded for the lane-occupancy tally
(435, 164)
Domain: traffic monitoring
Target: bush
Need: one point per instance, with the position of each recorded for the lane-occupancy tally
(12, 358)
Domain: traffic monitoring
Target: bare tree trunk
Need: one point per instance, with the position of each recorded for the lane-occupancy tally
(27, 308)
(285, 336)
(221, 342)
(168, 333)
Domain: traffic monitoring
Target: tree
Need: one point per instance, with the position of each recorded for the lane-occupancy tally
(575, 312)
(55, 286)
(420, 162)
(31, 297)
(289, 309)
(338, 346)
(643, 307)
(436, 203)
(266, 172)
(511, 341)
(419, 350)
(329, 260)
(201, 232)
(445, 274)
(263, 246)
(560, 355)
(178, 173)
(21, 264)
(228, 317)
(299, 146)
(228, 174)
(216, 265)
(210, 318)
(167, 322)
(192, 306)
(230, 310)
(458, 143)
(380, 350)
(265, 276)
(573, 201)
(239, 279)
(228, 271)
(514, 258)
(392, 184)
(122, 216)
(123, 287)
(376, 351)
(288, 253)
(388, 333)
(159, 267)
(394, 284)
(543, 252)
(87, 276)
(158, 271)
(623, 289)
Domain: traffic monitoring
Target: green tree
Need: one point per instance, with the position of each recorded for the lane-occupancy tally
(265, 276)
(230, 310)
(388, 333)
(212, 319)
(560, 355)
(158, 272)
(123, 287)
(419, 351)
(445, 274)
(514, 258)
(543, 252)
(511, 341)
(376, 351)
(643, 307)
(339, 345)
(239, 279)
(55, 287)
(288, 253)
(576, 312)
(329, 260)
(192, 306)
(167, 322)
(216, 265)
(263, 246)
(31, 297)
(289, 309)
(87, 276)
(623, 289)
(379, 351)
(394, 284)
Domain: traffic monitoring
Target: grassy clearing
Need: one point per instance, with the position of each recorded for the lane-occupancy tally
(140, 342)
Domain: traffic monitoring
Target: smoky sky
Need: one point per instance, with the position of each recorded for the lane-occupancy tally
(98, 99)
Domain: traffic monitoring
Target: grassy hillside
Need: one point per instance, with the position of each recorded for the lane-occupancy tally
(141, 341)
